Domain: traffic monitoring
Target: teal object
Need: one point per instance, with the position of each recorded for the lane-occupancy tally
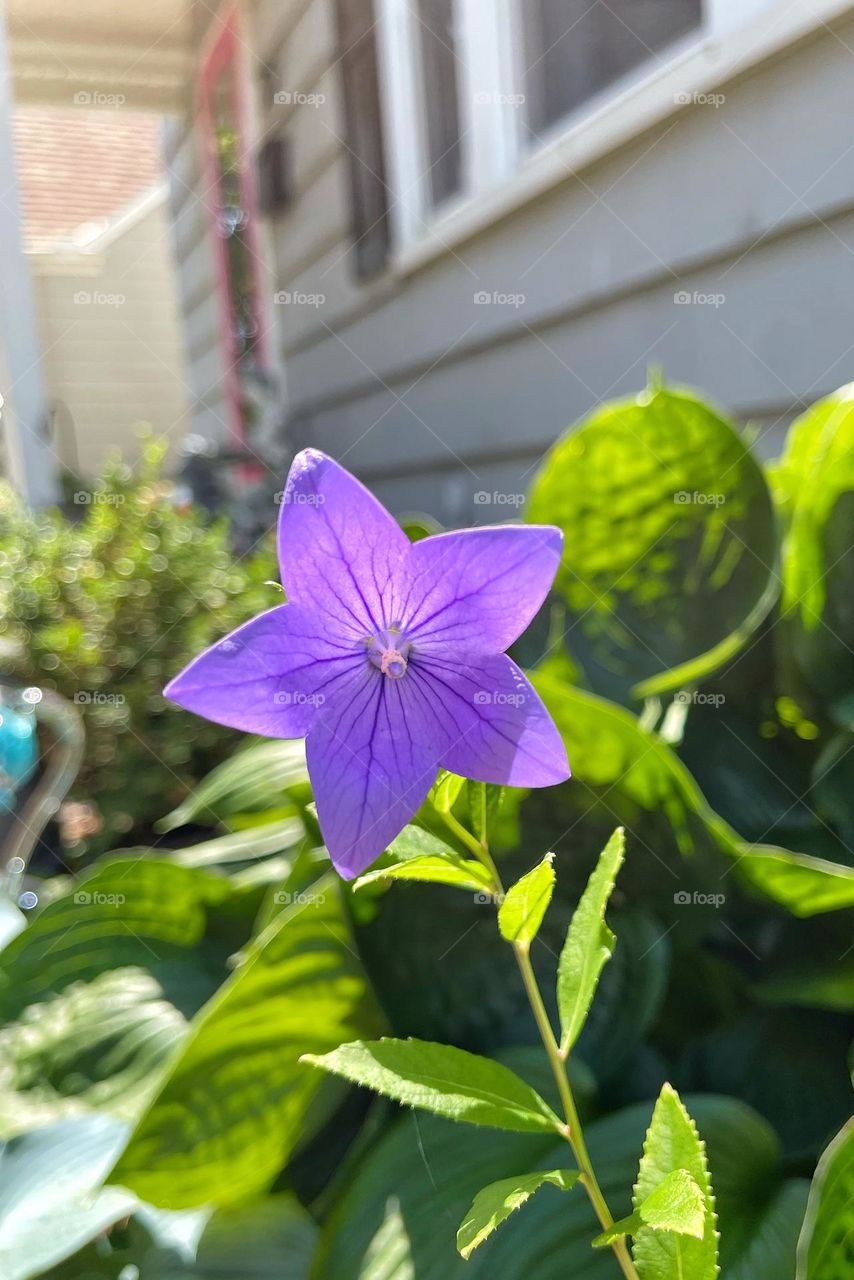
(18, 752)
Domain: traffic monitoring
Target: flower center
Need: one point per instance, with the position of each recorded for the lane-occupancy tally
(389, 650)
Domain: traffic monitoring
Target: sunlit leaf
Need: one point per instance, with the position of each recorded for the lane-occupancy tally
(526, 902)
(495, 1203)
(669, 536)
(589, 944)
(826, 1247)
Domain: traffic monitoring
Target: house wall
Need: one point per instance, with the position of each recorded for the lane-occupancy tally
(112, 342)
(433, 397)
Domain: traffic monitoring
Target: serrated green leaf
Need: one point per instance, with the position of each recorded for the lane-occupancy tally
(672, 1143)
(235, 1101)
(526, 902)
(445, 791)
(589, 944)
(495, 1203)
(676, 1204)
(484, 799)
(446, 1081)
(460, 873)
(824, 1249)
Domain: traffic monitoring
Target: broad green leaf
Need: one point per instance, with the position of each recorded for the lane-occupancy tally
(589, 944)
(637, 771)
(272, 1238)
(235, 1101)
(393, 1216)
(461, 873)
(676, 1204)
(446, 789)
(439, 1078)
(12, 921)
(51, 1198)
(825, 1246)
(248, 844)
(256, 778)
(495, 1203)
(526, 902)
(670, 541)
(815, 485)
(672, 1143)
(484, 799)
(96, 993)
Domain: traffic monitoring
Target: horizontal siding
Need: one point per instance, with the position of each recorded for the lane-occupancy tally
(754, 200)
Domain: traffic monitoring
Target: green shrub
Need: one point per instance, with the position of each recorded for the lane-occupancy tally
(106, 609)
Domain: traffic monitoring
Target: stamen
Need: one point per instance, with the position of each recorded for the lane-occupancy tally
(389, 650)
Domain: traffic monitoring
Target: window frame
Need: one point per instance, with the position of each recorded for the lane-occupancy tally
(500, 169)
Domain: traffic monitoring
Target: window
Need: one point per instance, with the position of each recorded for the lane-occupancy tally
(437, 42)
(364, 132)
(469, 88)
(574, 48)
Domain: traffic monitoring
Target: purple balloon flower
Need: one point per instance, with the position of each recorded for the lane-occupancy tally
(388, 658)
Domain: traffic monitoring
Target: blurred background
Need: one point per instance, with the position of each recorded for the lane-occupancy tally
(580, 262)
(423, 236)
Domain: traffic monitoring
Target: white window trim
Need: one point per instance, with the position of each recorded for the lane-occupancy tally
(501, 173)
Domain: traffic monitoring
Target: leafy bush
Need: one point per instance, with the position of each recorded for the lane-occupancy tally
(106, 609)
(707, 709)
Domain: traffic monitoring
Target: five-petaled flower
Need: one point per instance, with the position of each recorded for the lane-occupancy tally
(388, 658)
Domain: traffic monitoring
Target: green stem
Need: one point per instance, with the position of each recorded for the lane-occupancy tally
(573, 1132)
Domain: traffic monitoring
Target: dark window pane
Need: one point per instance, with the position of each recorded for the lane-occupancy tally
(574, 48)
(363, 127)
(441, 100)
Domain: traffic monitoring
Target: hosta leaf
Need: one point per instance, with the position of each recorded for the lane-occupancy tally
(51, 1198)
(635, 772)
(439, 1078)
(526, 902)
(495, 1203)
(256, 778)
(234, 1103)
(670, 541)
(97, 991)
(672, 1143)
(589, 944)
(826, 1247)
(676, 1204)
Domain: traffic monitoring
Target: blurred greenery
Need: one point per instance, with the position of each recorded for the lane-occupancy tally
(696, 654)
(105, 608)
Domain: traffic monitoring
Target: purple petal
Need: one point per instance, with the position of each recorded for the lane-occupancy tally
(495, 725)
(372, 761)
(478, 589)
(340, 551)
(268, 676)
